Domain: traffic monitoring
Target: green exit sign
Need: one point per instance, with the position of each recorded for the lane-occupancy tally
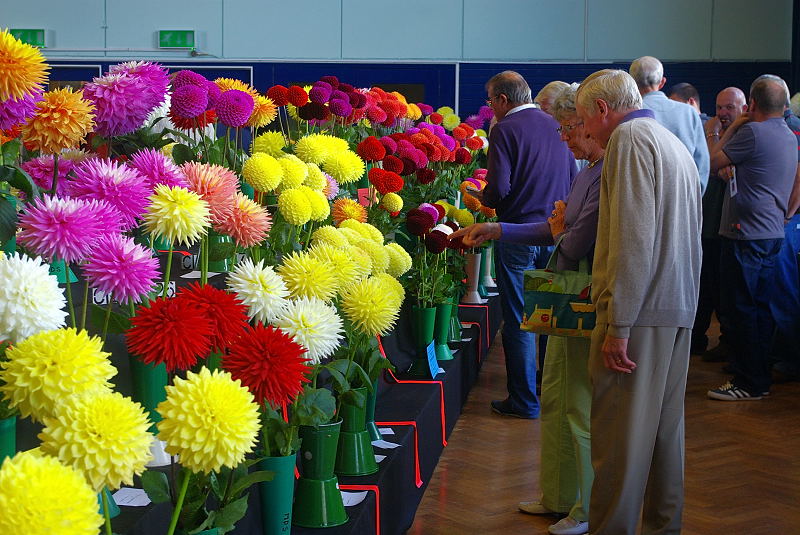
(28, 36)
(176, 39)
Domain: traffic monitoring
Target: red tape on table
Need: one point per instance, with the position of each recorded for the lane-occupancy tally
(486, 310)
(416, 447)
(377, 491)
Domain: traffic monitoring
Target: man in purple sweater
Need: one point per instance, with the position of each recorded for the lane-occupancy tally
(529, 168)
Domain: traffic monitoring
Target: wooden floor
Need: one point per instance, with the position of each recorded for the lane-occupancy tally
(742, 464)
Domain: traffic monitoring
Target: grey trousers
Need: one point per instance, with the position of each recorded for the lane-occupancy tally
(638, 434)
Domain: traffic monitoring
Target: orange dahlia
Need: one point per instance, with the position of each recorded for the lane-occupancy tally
(62, 120)
(264, 112)
(226, 84)
(348, 209)
(22, 67)
(248, 224)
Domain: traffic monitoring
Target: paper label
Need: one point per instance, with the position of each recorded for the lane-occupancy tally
(385, 445)
(131, 497)
(433, 364)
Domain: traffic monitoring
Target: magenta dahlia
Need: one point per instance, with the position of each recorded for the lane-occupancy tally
(157, 168)
(342, 108)
(214, 93)
(320, 93)
(234, 108)
(120, 267)
(18, 111)
(41, 171)
(189, 101)
(187, 77)
(152, 75)
(118, 104)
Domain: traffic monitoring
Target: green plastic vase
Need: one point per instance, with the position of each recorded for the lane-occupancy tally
(215, 242)
(318, 501)
(277, 495)
(355, 456)
(455, 322)
(149, 387)
(113, 508)
(8, 437)
(423, 321)
(441, 331)
(372, 398)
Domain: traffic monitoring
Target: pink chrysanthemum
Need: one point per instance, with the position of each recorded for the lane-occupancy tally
(67, 229)
(187, 77)
(475, 121)
(214, 92)
(485, 113)
(41, 171)
(120, 267)
(331, 190)
(189, 101)
(119, 185)
(18, 111)
(234, 108)
(248, 223)
(157, 168)
(216, 185)
(118, 104)
(152, 75)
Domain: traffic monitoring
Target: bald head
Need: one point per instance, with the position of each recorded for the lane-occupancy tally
(512, 85)
(731, 103)
(769, 94)
(648, 72)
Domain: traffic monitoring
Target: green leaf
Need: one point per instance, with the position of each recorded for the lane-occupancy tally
(182, 154)
(97, 141)
(11, 151)
(221, 251)
(23, 181)
(315, 406)
(244, 483)
(8, 219)
(215, 488)
(340, 383)
(117, 323)
(228, 516)
(156, 486)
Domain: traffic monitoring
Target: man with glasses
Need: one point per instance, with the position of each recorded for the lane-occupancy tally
(529, 168)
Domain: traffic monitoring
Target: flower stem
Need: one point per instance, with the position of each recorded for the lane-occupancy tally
(204, 244)
(227, 142)
(106, 512)
(108, 316)
(85, 304)
(176, 513)
(167, 270)
(69, 296)
(55, 173)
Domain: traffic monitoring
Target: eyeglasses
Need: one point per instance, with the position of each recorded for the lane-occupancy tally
(567, 128)
(494, 98)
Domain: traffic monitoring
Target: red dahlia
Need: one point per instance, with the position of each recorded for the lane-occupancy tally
(435, 118)
(196, 123)
(474, 143)
(279, 95)
(226, 314)
(436, 241)
(371, 149)
(393, 164)
(297, 96)
(426, 176)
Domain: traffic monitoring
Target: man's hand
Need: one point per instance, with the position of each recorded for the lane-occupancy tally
(478, 194)
(556, 221)
(615, 352)
(726, 173)
(476, 234)
(743, 118)
(713, 127)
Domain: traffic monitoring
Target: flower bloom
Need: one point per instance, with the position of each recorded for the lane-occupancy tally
(62, 120)
(314, 324)
(122, 268)
(260, 289)
(22, 69)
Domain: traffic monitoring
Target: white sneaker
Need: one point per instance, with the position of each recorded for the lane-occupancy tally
(569, 526)
(535, 508)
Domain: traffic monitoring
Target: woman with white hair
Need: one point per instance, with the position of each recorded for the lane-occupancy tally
(548, 94)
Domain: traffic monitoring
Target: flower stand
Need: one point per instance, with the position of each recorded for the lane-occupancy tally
(372, 398)
(277, 495)
(218, 246)
(355, 456)
(423, 321)
(318, 501)
(441, 331)
(473, 269)
(149, 389)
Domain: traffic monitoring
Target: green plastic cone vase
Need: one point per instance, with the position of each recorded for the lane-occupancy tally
(318, 502)
(277, 495)
(441, 330)
(113, 508)
(455, 322)
(149, 387)
(355, 456)
(60, 270)
(372, 398)
(422, 322)
(216, 240)
(8, 437)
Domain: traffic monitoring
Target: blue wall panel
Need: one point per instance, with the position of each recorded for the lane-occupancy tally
(766, 35)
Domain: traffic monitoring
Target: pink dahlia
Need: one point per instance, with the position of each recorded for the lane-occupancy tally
(18, 111)
(331, 190)
(320, 93)
(189, 101)
(475, 121)
(157, 168)
(66, 229)
(485, 113)
(216, 185)
(214, 93)
(41, 171)
(118, 104)
(152, 75)
(187, 77)
(248, 223)
(121, 186)
(234, 108)
(342, 108)
(120, 267)
(426, 109)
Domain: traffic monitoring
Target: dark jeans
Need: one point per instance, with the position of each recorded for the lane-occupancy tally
(511, 261)
(785, 304)
(748, 269)
(709, 299)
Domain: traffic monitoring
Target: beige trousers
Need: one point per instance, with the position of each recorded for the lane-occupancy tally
(638, 434)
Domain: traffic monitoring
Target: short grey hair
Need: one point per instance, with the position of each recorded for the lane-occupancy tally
(550, 91)
(564, 104)
(770, 92)
(512, 85)
(647, 71)
(617, 88)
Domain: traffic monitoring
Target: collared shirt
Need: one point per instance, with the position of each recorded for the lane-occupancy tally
(520, 108)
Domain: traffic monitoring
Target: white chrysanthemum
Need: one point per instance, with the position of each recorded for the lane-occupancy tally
(260, 288)
(314, 324)
(30, 299)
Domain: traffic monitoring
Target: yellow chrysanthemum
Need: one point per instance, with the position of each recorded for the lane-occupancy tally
(344, 266)
(362, 260)
(345, 208)
(448, 208)
(399, 259)
(166, 150)
(376, 253)
(451, 121)
(271, 143)
(264, 112)
(308, 276)
(294, 206)
(394, 290)
(366, 305)
(62, 120)
(352, 236)
(444, 111)
(365, 230)
(209, 420)
(40, 496)
(320, 207)
(262, 171)
(315, 148)
(414, 113)
(177, 214)
(46, 368)
(329, 235)
(345, 166)
(480, 132)
(226, 84)
(315, 179)
(294, 171)
(22, 67)
(392, 202)
(463, 217)
(103, 435)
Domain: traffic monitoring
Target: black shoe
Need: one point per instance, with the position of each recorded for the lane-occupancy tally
(728, 368)
(503, 407)
(719, 353)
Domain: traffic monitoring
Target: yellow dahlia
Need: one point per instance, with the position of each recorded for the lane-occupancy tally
(104, 435)
(226, 84)
(365, 230)
(308, 276)
(209, 420)
(294, 206)
(348, 209)
(394, 290)
(40, 496)
(444, 111)
(392, 202)
(352, 236)
(413, 113)
(345, 166)
(344, 266)
(320, 207)
(401, 97)
(329, 235)
(270, 142)
(362, 260)
(463, 217)
(315, 179)
(177, 214)
(46, 368)
(62, 120)
(262, 171)
(294, 171)
(480, 132)
(22, 67)
(399, 259)
(451, 121)
(264, 112)
(315, 148)
(376, 253)
(448, 208)
(365, 303)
